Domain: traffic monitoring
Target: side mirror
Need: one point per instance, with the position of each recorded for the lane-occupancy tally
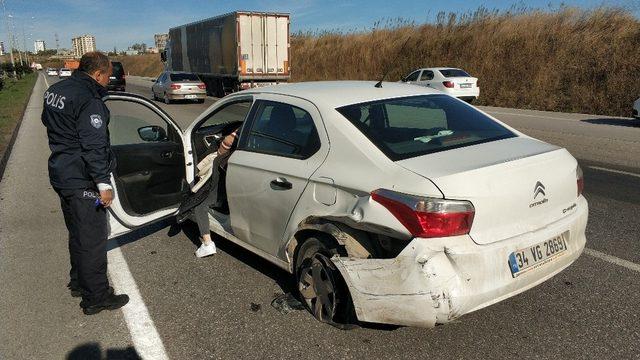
(152, 133)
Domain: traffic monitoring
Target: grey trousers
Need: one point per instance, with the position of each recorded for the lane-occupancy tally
(201, 212)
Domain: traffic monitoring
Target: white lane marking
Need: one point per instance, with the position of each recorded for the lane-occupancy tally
(144, 334)
(612, 259)
(45, 80)
(528, 115)
(615, 171)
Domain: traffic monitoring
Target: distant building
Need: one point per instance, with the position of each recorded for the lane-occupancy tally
(39, 45)
(161, 41)
(83, 44)
(153, 50)
(131, 52)
(1, 48)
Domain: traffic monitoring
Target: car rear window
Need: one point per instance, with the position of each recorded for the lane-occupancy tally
(64, 69)
(184, 77)
(117, 69)
(407, 127)
(449, 73)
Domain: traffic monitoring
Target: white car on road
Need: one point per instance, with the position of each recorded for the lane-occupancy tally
(455, 82)
(636, 109)
(64, 73)
(52, 72)
(397, 205)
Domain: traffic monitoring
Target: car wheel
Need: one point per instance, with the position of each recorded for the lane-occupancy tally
(200, 101)
(320, 284)
(166, 99)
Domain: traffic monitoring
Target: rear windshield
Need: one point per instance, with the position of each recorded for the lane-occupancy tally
(407, 127)
(448, 73)
(117, 69)
(184, 77)
(64, 69)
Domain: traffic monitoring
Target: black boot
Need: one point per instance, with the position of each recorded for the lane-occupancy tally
(75, 291)
(112, 302)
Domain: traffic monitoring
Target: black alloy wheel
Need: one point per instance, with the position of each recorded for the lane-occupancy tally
(320, 284)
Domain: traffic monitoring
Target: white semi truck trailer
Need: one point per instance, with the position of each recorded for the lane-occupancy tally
(233, 51)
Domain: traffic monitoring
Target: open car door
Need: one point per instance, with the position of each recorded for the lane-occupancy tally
(149, 179)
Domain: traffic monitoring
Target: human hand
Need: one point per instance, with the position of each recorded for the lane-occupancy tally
(106, 197)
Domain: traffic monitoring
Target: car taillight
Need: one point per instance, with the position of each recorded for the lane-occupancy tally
(175, 86)
(448, 84)
(580, 180)
(202, 86)
(427, 217)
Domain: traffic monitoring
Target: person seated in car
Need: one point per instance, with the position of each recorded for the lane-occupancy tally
(210, 172)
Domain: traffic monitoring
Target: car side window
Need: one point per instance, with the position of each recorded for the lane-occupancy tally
(413, 76)
(283, 130)
(126, 120)
(426, 75)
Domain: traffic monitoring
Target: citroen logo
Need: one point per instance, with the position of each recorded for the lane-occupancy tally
(539, 189)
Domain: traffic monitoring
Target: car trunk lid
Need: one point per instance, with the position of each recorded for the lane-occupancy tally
(516, 185)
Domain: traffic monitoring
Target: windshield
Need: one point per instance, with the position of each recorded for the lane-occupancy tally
(184, 77)
(449, 73)
(407, 127)
(117, 69)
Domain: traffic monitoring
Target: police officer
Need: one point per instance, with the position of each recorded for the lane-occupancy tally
(80, 164)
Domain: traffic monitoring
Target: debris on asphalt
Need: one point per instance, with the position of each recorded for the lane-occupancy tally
(286, 303)
(255, 307)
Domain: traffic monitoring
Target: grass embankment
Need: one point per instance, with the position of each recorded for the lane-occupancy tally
(571, 61)
(13, 99)
(141, 65)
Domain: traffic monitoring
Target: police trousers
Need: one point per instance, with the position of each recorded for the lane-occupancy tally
(88, 233)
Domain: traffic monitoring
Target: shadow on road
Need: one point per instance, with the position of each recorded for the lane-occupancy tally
(137, 234)
(614, 121)
(93, 351)
(281, 277)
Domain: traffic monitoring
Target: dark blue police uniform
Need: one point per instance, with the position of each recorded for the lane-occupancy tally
(77, 122)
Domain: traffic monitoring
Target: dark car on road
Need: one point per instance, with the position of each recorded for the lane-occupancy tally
(117, 80)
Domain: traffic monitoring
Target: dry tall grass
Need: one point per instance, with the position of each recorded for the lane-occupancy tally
(141, 65)
(571, 60)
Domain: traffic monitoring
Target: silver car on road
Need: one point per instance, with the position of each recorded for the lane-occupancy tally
(172, 86)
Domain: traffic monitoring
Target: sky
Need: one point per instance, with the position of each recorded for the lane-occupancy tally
(121, 23)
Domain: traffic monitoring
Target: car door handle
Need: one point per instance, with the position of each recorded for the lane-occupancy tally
(167, 155)
(281, 183)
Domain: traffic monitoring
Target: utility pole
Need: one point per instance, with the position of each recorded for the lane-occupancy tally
(6, 23)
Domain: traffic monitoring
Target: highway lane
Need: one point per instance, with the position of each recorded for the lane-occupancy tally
(202, 308)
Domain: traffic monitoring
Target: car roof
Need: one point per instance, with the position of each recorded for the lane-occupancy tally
(440, 68)
(336, 94)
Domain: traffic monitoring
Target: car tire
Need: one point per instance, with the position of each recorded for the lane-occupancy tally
(166, 99)
(200, 101)
(320, 285)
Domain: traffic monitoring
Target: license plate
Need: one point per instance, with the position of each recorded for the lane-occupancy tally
(533, 257)
(190, 96)
(465, 86)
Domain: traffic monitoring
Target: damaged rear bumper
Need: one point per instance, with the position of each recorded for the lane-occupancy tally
(434, 281)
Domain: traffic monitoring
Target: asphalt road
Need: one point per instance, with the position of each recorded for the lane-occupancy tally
(219, 307)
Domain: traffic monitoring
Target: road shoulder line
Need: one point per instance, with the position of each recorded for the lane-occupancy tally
(143, 332)
(615, 171)
(613, 260)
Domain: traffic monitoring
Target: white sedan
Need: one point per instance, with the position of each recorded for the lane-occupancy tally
(455, 82)
(52, 72)
(398, 205)
(64, 73)
(636, 109)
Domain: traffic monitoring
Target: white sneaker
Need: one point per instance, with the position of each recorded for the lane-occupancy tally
(206, 250)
